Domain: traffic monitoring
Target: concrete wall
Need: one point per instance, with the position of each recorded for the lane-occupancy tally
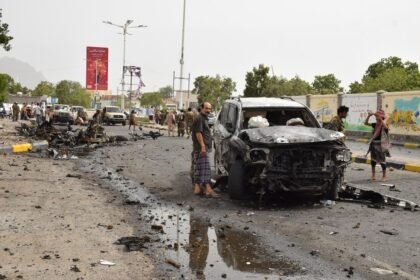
(301, 99)
(359, 104)
(323, 106)
(404, 110)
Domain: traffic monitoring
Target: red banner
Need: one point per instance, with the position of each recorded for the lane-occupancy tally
(96, 68)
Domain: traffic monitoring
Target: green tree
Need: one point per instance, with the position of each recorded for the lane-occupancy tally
(376, 69)
(44, 88)
(4, 85)
(166, 92)
(356, 87)
(17, 87)
(72, 93)
(281, 86)
(213, 89)
(389, 74)
(326, 84)
(297, 86)
(153, 99)
(257, 82)
(4, 37)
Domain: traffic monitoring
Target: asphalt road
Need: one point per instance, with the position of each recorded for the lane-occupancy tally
(398, 153)
(290, 238)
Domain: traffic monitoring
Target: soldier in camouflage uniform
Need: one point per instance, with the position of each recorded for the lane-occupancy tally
(336, 122)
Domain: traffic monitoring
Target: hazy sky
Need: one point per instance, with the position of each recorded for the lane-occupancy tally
(226, 37)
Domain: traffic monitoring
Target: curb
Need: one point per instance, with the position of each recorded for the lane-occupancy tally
(413, 167)
(405, 145)
(24, 147)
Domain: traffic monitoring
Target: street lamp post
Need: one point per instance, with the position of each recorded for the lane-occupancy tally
(124, 28)
(181, 61)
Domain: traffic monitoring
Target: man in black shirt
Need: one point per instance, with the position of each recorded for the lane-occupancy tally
(202, 143)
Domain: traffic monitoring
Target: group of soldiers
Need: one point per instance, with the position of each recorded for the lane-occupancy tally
(36, 111)
(182, 120)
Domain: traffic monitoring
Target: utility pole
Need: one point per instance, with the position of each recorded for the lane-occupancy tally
(181, 61)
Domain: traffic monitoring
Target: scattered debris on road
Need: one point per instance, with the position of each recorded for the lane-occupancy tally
(78, 176)
(68, 143)
(152, 134)
(381, 271)
(174, 263)
(133, 243)
(105, 262)
(74, 268)
(389, 232)
(354, 192)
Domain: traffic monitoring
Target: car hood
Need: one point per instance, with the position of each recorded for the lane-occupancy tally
(289, 135)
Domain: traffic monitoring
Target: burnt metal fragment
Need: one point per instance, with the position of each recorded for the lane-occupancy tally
(133, 243)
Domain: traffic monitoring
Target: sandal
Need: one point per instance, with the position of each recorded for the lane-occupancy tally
(200, 192)
(212, 194)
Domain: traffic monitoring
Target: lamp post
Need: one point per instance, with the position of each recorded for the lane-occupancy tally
(124, 28)
(181, 61)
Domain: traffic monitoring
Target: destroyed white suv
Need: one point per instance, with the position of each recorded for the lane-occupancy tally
(276, 157)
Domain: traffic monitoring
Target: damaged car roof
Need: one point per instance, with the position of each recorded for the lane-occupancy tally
(267, 102)
(290, 134)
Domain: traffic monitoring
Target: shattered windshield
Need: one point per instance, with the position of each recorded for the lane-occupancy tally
(279, 116)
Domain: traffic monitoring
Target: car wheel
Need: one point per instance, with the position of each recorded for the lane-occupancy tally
(237, 181)
(334, 188)
(124, 123)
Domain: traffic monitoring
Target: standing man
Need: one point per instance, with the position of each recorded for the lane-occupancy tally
(38, 114)
(15, 109)
(157, 115)
(202, 143)
(170, 122)
(189, 118)
(337, 123)
(180, 120)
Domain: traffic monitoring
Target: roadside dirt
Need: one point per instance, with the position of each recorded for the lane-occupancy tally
(57, 227)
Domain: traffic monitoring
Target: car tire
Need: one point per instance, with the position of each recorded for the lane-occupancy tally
(334, 188)
(124, 123)
(237, 181)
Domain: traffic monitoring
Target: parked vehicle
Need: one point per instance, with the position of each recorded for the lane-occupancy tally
(62, 114)
(273, 157)
(114, 115)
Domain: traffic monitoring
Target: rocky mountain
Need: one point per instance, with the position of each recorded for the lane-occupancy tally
(21, 72)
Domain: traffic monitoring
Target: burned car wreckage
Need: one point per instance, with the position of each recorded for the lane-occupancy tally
(276, 157)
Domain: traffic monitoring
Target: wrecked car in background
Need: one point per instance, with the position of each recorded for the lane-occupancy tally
(62, 114)
(276, 157)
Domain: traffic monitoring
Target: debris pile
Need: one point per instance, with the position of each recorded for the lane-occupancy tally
(153, 135)
(68, 143)
(58, 137)
(354, 192)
